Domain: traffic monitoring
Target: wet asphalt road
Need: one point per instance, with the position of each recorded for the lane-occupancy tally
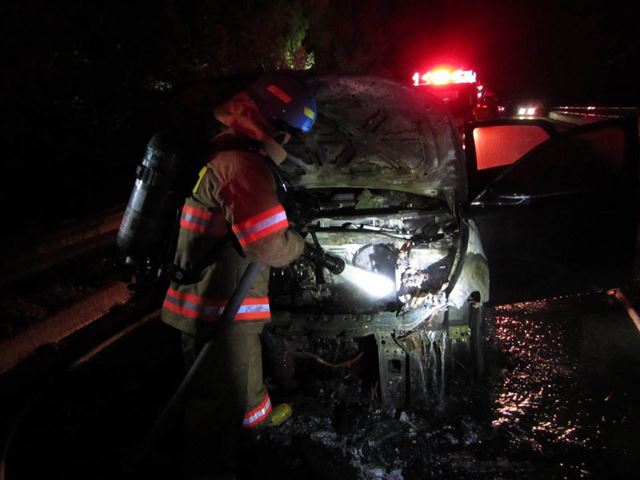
(567, 392)
(561, 399)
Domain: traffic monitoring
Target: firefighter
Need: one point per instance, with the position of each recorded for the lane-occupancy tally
(232, 218)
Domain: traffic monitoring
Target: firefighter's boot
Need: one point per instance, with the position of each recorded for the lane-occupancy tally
(279, 415)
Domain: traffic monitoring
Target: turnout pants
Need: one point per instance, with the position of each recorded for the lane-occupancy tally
(226, 395)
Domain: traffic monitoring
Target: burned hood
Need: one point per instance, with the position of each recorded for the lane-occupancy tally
(376, 133)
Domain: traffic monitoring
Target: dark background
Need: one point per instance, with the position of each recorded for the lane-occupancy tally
(84, 83)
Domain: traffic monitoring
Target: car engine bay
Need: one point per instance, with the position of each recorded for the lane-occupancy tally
(407, 239)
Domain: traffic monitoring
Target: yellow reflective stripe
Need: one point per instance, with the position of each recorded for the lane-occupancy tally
(203, 172)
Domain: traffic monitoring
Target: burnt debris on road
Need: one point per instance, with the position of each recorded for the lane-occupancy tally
(559, 401)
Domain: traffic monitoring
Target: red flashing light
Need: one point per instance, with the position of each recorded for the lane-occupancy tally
(444, 76)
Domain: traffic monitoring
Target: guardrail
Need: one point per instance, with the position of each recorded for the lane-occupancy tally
(33, 358)
(69, 242)
(589, 114)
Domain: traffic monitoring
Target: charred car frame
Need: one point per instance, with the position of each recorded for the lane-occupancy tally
(392, 181)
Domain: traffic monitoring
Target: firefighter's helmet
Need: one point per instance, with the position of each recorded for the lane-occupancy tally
(285, 100)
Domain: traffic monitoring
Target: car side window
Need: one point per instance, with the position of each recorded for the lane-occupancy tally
(588, 160)
(501, 145)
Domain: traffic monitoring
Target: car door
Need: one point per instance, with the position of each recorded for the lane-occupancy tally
(556, 210)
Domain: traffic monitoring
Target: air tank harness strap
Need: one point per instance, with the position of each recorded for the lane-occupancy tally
(149, 176)
(242, 144)
(283, 184)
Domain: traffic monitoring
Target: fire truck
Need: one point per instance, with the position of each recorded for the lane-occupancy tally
(467, 99)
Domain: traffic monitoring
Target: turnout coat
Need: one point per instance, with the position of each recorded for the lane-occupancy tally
(233, 217)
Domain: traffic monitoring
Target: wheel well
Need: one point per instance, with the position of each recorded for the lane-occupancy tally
(475, 297)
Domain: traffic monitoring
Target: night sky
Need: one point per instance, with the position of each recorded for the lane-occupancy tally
(83, 82)
(557, 51)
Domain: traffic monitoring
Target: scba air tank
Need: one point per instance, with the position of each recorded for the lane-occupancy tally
(146, 229)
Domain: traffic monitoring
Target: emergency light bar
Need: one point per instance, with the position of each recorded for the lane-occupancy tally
(444, 76)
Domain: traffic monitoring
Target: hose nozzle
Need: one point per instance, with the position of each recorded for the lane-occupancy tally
(331, 262)
(321, 258)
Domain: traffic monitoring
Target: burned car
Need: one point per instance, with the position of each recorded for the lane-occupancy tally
(390, 180)
(387, 170)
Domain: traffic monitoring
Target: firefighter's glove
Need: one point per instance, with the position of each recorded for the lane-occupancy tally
(312, 253)
(322, 259)
(301, 207)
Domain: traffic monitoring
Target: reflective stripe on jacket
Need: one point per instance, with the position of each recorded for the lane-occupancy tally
(208, 309)
(261, 225)
(203, 221)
